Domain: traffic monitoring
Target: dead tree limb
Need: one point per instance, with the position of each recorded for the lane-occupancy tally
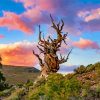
(40, 60)
(63, 59)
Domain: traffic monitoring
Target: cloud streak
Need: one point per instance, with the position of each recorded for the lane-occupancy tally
(90, 15)
(67, 69)
(86, 44)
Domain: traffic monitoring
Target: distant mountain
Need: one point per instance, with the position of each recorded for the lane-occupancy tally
(19, 74)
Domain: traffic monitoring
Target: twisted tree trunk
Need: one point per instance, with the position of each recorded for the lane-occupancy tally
(51, 62)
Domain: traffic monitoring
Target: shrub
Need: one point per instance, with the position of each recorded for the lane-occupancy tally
(16, 95)
(6, 92)
(69, 76)
(84, 92)
(73, 87)
(3, 84)
(80, 70)
(57, 87)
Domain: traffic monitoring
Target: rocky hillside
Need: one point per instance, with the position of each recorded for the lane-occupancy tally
(82, 84)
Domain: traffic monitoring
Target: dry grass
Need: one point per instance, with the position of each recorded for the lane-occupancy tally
(19, 75)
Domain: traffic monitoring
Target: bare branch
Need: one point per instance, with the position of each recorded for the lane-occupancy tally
(58, 29)
(64, 41)
(39, 34)
(40, 60)
(40, 40)
(54, 26)
(62, 25)
(43, 37)
(64, 37)
(58, 26)
(42, 45)
(50, 39)
(63, 59)
(69, 54)
(41, 51)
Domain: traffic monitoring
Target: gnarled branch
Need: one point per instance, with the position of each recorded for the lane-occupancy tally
(41, 50)
(63, 59)
(58, 29)
(40, 39)
(40, 60)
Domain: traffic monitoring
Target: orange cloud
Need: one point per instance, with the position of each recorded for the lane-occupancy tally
(86, 44)
(19, 53)
(13, 22)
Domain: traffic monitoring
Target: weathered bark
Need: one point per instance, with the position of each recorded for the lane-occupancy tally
(49, 48)
(0, 62)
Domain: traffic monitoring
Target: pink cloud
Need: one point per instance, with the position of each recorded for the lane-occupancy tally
(37, 12)
(24, 22)
(1, 36)
(86, 44)
(47, 5)
(34, 11)
(90, 15)
(27, 3)
(14, 22)
(19, 54)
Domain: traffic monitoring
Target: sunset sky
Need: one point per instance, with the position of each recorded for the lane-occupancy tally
(19, 20)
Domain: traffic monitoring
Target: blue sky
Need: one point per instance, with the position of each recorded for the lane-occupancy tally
(19, 20)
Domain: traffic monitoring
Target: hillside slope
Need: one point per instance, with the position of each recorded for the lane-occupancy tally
(82, 84)
(19, 74)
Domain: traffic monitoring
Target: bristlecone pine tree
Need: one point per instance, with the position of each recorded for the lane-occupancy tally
(49, 48)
